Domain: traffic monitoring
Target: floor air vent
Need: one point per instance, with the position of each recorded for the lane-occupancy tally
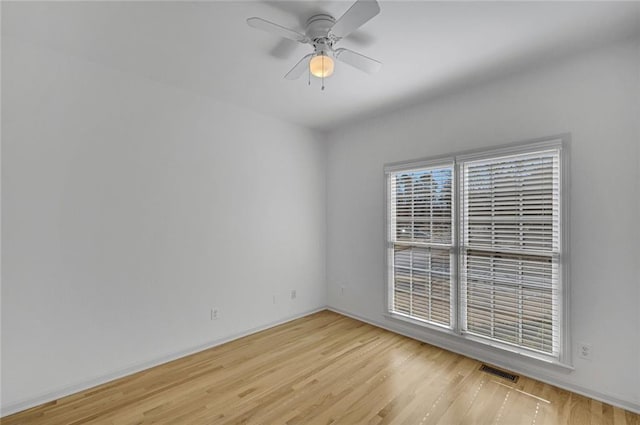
(501, 373)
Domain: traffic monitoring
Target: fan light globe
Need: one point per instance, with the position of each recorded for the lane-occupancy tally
(321, 66)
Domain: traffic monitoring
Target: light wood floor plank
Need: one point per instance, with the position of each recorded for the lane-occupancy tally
(323, 369)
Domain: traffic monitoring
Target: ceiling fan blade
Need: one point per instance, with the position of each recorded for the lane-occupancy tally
(276, 29)
(356, 60)
(357, 15)
(299, 68)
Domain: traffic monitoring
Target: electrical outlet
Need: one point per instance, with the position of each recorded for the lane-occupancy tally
(293, 294)
(585, 351)
(274, 299)
(214, 314)
(342, 290)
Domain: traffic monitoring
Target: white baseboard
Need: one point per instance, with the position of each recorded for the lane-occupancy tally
(487, 357)
(90, 383)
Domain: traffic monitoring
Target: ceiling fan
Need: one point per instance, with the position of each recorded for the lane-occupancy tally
(323, 32)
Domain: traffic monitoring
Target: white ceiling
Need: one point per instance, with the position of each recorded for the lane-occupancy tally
(426, 47)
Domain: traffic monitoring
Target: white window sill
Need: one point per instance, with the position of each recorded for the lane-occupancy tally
(472, 346)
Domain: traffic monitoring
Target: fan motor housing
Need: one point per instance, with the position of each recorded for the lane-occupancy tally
(318, 26)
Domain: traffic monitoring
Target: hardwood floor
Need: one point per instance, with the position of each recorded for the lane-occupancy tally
(323, 369)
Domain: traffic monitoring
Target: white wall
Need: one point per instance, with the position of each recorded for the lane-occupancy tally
(129, 210)
(637, 234)
(595, 97)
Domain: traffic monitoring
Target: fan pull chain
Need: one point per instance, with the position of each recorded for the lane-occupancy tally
(309, 72)
(322, 58)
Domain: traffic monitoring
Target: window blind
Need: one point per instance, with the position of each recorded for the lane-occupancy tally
(421, 243)
(509, 249)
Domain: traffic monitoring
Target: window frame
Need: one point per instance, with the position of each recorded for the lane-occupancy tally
(559, 142)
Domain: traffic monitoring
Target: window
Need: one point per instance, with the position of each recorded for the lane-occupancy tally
(422, 243)
(475, 246)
